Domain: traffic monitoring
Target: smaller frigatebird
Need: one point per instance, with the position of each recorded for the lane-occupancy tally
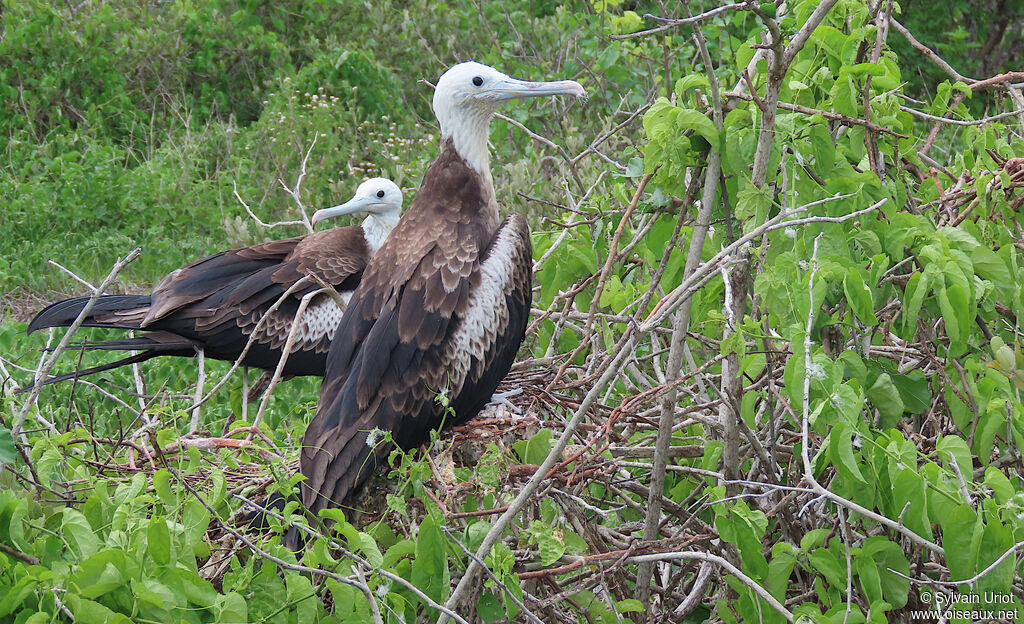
(216, 303)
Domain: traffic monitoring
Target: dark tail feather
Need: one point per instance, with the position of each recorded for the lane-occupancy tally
(64, 313)
(138, 357)
(171, 344)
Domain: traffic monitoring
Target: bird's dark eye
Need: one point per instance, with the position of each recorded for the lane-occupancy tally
(477, 81)
(380, 193)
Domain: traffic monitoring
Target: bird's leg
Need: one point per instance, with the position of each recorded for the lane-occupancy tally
(503, 398)
(257, 389)
(245, 393)
(200, 382)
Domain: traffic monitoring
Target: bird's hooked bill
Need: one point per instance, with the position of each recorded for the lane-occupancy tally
(352, 206)
(512, 88)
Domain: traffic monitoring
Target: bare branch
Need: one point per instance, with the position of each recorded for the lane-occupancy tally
(669, 23)
(45, 370)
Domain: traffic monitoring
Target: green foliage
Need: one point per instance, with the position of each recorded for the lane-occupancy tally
(135, 124)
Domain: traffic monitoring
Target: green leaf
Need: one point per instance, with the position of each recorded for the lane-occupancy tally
(909, 493)
(162, 485)
(158, 538)
(956, 323)
(688, 82)
(861, 70)
(1001, 486)
(858, 294)
(303, 596)
(813, 538)
(7, 449)
(196, 519)
(368, 546)
(535, 450)
(608, 57)
(630, 605)
(886, 398)
(16, 595)
(635, 168)
(489, 607)
(79, 534)
(430, 565)
(697, 121)
(917, 288)
(867, 574)
(102, 573)
(888, 556)
(842, 452)
(953, 448)
(990, 266)
(848, 402)
(231, 609)
(991, 422)
(551, 546)
(219, 489)
(915, 390)
(827, 563)
(780, 568)
(753, 203)
(996, 539)
(90, 611)
(958, 531)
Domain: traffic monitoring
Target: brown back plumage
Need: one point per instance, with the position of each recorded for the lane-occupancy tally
(404, 336)
(216, 303)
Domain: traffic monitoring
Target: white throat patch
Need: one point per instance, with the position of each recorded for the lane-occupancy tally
(376, 229)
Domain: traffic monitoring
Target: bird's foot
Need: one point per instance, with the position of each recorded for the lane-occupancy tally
(503, 398)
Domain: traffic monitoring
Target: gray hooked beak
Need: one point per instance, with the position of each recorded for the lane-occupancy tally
(352, 206)
(510, 89)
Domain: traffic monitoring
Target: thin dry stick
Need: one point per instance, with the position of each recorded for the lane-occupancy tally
(245, 393)
(697, 592)
(519, 603)
(48, 365)
(761, 592)
(967, 581)
(612, 250)
(846, 120)
(296, 192)
(252, 336)
(805, 433)
(680, 327)
(71, 274)
(259, 552)
(427, 600)
(670, 302)
(140, 384)
(849, 563)
(555, 146)
(607, 135)
(293, 333)
(668, 23)
(946, 67)
(565, 231)
(960, 122)
(260, 221)
(731, 382)
(622, 350)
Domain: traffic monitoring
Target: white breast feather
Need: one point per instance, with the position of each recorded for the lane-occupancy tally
(376, 230)
(316, 328)
(486, 314)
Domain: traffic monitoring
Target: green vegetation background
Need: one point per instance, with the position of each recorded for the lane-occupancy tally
(135, 123)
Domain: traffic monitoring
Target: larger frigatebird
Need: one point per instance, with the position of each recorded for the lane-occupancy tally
(442, 307)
